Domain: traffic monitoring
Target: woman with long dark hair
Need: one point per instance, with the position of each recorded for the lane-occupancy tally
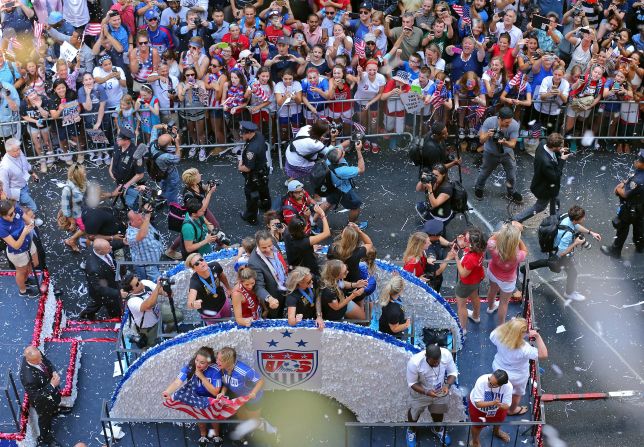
(300, 249)
(470, 274)
(439, 192)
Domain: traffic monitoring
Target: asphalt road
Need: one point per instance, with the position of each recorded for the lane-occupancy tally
(600, 347)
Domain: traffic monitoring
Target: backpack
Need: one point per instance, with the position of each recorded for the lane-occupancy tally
(176, 215)
(547, 232)
(458, 200)
(155, 173)
(320, 178)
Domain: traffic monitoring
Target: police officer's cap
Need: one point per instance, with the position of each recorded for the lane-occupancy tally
(433, 227)
(247, 126)
(125, 134)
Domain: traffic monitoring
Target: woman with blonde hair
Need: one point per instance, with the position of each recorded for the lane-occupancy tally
(301, 301)
(208, 289)
(71, 204)
(507, 251)
(335, 305)
(393, 320)
(513, 355)
(246, 306)
(414, 259)
(350, 247)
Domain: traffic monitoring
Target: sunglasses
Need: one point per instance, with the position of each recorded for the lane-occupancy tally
(215, 66)
(153, 19)
(365, 12)
(371, 43)
(143, 42)
(197, 262)
(330, 13)
(136, 284)
(190, 75)
(192, 47)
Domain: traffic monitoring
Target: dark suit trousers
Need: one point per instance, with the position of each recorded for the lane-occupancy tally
(539, 206)
(46, 410)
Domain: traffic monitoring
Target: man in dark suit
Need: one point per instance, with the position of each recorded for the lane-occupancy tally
(271, 269)
(549, 161)
(41, 381)
(103, 289)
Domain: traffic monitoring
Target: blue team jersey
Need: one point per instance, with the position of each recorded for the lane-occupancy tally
(312, 96)
(212, 373)
(242, 380)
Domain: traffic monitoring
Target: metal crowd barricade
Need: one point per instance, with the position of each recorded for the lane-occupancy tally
(13, 402)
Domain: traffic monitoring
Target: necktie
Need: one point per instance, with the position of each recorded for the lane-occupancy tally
(43, 368)
(110, 262)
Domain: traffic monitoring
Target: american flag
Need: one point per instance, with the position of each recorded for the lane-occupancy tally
(480, 111)
(15, 43)
(463, 11)
(93, 29)
(518, 80)
(258, 91)
(439, 96)
(359, 48)
(535, 129)
(359, 127)
(201, 407)
(38, 29)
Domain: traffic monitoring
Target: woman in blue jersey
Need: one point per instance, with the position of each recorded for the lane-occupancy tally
(205, 379)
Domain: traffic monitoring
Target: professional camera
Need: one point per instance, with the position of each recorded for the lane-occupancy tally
(197, 21)
(222, 239)
(171, 128)
(138, 340)
(247, 62)
(585, 244)
(427, 177)
(395, 22)
(355, 137)
(166, 284)
(150, 197)
(212, 183)
(172, 91)
(501, 14)
(490, 41)
(496, 137)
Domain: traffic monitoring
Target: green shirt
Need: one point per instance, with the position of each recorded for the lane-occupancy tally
(196, 232)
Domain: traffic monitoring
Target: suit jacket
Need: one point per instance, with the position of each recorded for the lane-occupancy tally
(37, 384)
(101, 279)
(266, 284)
(546, 181)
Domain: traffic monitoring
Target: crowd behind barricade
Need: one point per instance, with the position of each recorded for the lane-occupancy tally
(162, 81)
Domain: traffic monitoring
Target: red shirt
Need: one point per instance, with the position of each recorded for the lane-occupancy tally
(474, 263)
(236, 45)
(272, 33)
(417, 267)
(250, 306)
(389, 86)
(344, 3)
(289, 214)
(508, 59)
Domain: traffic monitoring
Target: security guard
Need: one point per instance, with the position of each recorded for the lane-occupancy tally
(255, 170)
(631, 211)
(126, 169)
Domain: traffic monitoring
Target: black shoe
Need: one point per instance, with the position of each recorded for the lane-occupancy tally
(514, 196)
(248, 221)
(65, 410)
(611, 251)
(85, 315)
(478, 193)
(30, 291)
(32, 281)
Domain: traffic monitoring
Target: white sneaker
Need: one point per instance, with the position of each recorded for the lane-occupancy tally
(574, 296)
(494, 308)
(202, 154)
(192, 152)
(470, 315)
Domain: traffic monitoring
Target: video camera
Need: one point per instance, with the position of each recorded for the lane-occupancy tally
(171, 127)
(222, 239)
(150, 197)
(355, 138)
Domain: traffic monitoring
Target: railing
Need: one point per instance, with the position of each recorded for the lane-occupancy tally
(14, 403)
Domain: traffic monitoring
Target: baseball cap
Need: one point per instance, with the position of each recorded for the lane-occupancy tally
(151, 14)
(55, 17)
(294, 185)
(402, 76)
(273, 13)
(283, 40)
(366, 5)
(244, 53)
(433, 227)
(369, 37)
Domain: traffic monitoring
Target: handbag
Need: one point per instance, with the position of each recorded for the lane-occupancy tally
(66, 223)
(176, 215)
(581, 104)
(433, 336)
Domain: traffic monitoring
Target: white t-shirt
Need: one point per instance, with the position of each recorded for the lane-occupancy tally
(498, 87)
(513, 361)
(304, 146)
(381, 39)
(550, 105)
(76, 12)
(367, 89)
(151, 316)
(426, 110)
(113, 89)
(430, 378)
(341, 48)
(515, 33)
(292, 107)
(483, 393)
(168, 13)
(160, 90)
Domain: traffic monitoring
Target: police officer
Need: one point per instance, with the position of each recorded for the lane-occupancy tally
(126, 169)
(253, 166)
(631, 211)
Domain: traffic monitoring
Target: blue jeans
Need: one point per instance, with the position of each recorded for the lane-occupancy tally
(170, 186)
(150, 272)
(132, 198)
(26, 200)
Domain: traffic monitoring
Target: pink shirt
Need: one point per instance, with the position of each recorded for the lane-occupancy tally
(504, 270)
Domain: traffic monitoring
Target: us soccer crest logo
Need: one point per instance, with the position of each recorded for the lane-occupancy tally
(288, 368)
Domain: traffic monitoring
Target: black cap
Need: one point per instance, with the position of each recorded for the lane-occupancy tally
(437, 128)
(365, 5)
(126, 134)
(247, 126)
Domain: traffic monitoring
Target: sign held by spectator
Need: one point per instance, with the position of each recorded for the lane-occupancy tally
(68, 52)
(412, 100)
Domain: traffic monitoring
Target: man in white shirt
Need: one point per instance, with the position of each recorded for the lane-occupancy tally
(505, 24)
(490, 400)
(15, 173)
(430, 374)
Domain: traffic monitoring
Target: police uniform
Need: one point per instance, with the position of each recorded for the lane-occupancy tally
(125, 166)
(631, 212)
(255, 181)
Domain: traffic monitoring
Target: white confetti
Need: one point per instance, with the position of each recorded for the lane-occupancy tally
(588, 139)
(569, 180)
(579, 385)
(557, 370)
(561, 329)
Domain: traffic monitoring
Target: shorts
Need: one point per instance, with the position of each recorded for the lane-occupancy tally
(352, 305)
(251, 405)
(349, 200)
(209, 316)
(572, 114)
(476, 415)
(35, 132)
(217, 113)
(297, 172)
(435, 405)
(625, 129)
(505, 286)
(136, 86)
(21, 259)
(80, 224)
(337, 115)
(293, 119)
(465, 290)
(519, 384)
(260, 116)
(394, 124)
(320, 113)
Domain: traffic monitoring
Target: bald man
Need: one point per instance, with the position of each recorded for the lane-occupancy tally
(165, 145)
(103, 289)
(41, 382)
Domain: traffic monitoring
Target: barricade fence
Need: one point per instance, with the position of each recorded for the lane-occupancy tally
(13, 401)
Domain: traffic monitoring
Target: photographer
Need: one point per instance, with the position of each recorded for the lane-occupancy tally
(567, 239)
(631, 211)
(145, 243)
(304, 150)
(300, 246)
(248, 65)
(193, 27)
(164, 86)
(434, 149)
(298, 202)
(342, 176)
(499, 134)
(196, 232)
(439, 190)
(167, 159)
(142, 301)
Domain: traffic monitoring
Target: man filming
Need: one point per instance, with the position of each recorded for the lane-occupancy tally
(499, 137)
(145, 243)
(166, 158)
